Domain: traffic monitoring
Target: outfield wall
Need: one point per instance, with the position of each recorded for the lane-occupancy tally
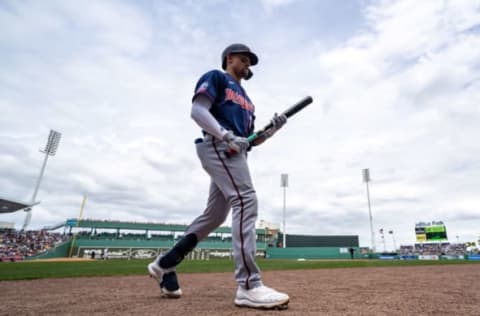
(151, 253)
(60, 251)
(311, 253)
(149, 249)
(101, 243)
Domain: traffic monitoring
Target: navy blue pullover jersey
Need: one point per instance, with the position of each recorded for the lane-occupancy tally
(231, 105)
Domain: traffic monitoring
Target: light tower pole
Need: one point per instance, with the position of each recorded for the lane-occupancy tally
(366, 179)
(284, 185)
(393, 238)
(50, 150)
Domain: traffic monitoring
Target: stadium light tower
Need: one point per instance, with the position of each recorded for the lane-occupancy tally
(50, 150)
(366, 179)
(393, 238)
(284, 185)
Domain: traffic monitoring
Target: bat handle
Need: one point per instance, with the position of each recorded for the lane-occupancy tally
(252, 137)
(230, 152)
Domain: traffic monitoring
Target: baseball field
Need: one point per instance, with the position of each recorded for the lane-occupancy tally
(342, 287)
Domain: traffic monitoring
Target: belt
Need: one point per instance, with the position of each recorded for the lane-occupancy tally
(205, 137)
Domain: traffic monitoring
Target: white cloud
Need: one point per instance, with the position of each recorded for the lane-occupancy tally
(271, 5)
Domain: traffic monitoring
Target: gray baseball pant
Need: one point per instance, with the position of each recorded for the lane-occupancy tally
(231, 187)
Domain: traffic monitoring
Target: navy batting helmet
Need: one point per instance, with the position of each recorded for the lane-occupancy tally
(238, 49)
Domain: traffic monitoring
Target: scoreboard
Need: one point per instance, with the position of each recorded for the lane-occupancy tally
(430, 231)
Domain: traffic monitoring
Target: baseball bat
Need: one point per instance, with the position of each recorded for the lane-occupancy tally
(291, 111)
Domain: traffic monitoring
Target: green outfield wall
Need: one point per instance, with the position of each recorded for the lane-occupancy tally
(60, 251)
(311, 253)
(102, 243)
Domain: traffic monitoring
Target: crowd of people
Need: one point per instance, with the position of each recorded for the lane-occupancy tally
(434, 249)
(17, 245)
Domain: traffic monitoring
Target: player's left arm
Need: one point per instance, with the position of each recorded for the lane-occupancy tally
(276, 123)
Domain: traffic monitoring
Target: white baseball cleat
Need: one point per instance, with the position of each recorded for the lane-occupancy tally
(167, 279)
(261, 297)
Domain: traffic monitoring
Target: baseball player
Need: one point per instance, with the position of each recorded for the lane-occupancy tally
(222, 108)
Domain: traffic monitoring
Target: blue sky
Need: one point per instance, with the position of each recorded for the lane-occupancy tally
(395, 87)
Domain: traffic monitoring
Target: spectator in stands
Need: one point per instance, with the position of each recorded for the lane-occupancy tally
(16, 245)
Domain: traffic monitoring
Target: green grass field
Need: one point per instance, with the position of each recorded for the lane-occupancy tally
(48, 269)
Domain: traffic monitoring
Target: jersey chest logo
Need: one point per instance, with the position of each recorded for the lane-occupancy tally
(232, 95)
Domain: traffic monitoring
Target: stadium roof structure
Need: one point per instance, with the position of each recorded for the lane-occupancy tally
(10, 206)
(111, 224)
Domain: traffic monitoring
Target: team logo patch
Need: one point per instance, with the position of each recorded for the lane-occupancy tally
(232, 95)
(203, 87)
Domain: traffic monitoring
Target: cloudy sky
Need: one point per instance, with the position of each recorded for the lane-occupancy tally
(396, 89)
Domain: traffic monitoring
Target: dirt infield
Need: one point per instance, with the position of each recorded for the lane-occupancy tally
(420, 290)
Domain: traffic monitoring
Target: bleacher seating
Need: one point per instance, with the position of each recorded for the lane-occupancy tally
(18, 245)
(433, 249)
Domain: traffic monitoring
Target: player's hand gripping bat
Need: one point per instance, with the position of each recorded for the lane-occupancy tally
(291, 111)
(294, 109)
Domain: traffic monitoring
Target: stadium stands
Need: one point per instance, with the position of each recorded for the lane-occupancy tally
(19, 245)
(433, 249)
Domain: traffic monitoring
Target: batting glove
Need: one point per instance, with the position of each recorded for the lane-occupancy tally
(278, 121)
(236, 143)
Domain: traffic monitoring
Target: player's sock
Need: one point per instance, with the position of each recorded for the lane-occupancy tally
(175, 255)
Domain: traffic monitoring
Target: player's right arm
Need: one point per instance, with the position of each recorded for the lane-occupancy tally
(200, 113)
(204, 96)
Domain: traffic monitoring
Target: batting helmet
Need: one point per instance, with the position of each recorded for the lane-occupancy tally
(238, 49)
